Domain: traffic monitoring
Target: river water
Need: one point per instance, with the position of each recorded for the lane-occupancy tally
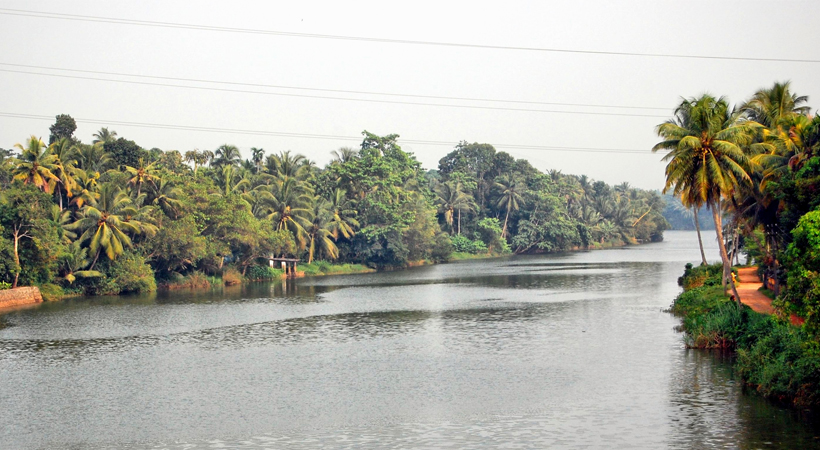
(559, 351)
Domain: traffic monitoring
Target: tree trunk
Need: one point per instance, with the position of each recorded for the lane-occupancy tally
(700, 239)
(95, 259)
(504, 230)
(724, 256)
(459, 222)
(16, 258)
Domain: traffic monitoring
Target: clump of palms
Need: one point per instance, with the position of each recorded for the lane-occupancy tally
(706, 160)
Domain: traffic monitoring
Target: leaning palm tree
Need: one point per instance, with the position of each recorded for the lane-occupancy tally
(106, 223)
(510, 198)
(36, 165)
(706, 161)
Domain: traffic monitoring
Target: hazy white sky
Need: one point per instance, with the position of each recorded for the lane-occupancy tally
(756, 29)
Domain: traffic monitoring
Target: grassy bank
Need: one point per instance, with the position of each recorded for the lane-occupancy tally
(777, 359)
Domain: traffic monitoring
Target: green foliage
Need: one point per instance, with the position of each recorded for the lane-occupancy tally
(463, 244)
(802, 293)
(260, 273)
(124, 152)
(782, 362)
(4, 285)
(127, 274)
(64, 127)
(701, 276)
(489, 230)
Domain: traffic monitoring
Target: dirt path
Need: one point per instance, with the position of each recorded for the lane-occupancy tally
(748, 288)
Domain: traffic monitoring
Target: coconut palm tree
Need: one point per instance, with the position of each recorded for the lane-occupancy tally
(706, 161)
(343, 215)
(93, 158)
(64, 152)
(165, 196)
(318, 232)
(344, 154)
(104, 136)
(510, 199)
(73, 261)
(36, 165)
(257, 156)
(106, 223)
(291, 208)
(87, 188)
(451, 199)
(227, 155)
(145, 173)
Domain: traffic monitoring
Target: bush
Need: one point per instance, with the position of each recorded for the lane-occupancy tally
(51, 292)
(4, 285)
(261, 273)
(462, 244)
(701, 276)
(783, 363)
(127, 274)
(231, 277)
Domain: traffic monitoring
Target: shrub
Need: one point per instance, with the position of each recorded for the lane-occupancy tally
(4, 285)
(51, 292)
(231, 277)
(463, 244)
(127, 274)
(261, 273)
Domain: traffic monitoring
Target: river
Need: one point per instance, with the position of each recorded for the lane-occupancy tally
(562, 351)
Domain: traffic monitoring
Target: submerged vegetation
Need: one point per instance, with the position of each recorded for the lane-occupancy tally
(111, 217)
(758, 166)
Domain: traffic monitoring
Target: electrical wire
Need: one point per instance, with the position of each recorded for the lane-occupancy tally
(319, 136)
(148, 23)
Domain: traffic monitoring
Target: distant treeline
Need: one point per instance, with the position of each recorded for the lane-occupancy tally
(110, 216)
(682, 218)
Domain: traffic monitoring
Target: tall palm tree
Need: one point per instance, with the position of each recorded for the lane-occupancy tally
(706, 161)
(36, 165)
(344, 154)
(510, 199)
(107, 222)
(227, 155)
(343, 215)
(450, 198)
(291, 208)
(145, 173)
(318, 232)
(257, 156)
(93, 158)
(64, 152)
(104, 136)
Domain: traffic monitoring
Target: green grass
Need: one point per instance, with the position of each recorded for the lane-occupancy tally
(319, 268)
(459, 256)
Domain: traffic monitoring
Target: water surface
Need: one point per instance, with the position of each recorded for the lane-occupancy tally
(566, 351)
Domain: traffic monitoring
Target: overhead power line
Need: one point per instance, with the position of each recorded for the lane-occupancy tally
(365, 100)
(340, 91)
(320, 136)
(149, 23)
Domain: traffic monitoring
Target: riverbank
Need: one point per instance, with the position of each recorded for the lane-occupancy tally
(779, 360)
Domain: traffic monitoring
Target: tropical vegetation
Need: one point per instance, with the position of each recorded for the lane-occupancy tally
(110, 216)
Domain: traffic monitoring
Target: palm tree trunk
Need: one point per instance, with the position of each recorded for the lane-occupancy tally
(459, 222)
(95, 259)
(724, 256)
(504, 230)
(700, 239)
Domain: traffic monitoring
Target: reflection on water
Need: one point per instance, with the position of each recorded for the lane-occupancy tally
(565, 351)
